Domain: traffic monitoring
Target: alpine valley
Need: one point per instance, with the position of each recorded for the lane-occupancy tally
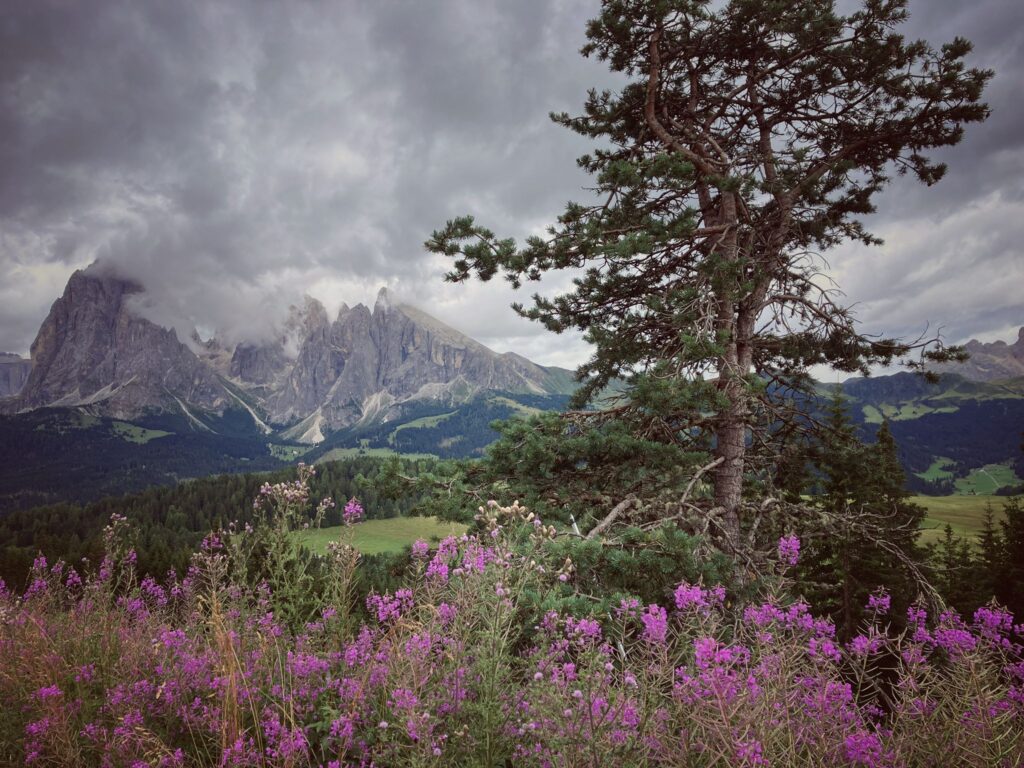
(112, 402)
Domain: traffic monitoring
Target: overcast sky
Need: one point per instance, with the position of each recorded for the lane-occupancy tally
(233, 155)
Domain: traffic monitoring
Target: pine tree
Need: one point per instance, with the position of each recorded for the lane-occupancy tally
(957, 572)
(748, 137)
(868, 539)
(1010, 584)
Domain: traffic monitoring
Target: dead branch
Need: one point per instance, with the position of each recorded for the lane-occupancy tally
(611, 517)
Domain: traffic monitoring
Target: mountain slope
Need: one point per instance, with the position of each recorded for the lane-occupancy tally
(989, 362)
(314, 377)
(946, 431)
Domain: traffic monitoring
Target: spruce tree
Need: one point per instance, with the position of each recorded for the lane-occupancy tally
(747, 138)
(868, 536)
(1010, 584)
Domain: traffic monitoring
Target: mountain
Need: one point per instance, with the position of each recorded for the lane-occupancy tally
(954, 435)
(113, 402)
(93, 350)
(365, 364)
(314, 377)
(989, 362)
(14, 371)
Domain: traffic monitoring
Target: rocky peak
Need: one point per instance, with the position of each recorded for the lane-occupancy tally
(93, 350)
(311, 376)
(266, 362)
(989, 362)
(383, 302)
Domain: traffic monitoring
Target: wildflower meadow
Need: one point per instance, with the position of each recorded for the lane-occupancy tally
(265, 655)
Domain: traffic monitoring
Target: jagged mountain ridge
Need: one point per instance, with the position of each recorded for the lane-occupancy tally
(318, 375)
(989, 362)
(93, 350)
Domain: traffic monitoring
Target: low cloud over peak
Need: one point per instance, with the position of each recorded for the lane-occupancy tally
(233, 156)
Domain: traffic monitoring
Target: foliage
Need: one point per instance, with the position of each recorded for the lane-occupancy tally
(866, 538)
(748, 136)
(970, 573)
(170, 522)
(451, 669)
(584, 466)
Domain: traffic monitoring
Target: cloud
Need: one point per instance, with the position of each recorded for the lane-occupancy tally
(231, 156)
(960, 273)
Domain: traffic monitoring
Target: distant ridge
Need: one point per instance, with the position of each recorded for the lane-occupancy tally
(317, 376)
(989, 362)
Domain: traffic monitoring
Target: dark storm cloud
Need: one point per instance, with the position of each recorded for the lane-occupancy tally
(231, 155)
(953, 257)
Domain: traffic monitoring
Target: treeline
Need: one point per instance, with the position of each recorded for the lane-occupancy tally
(969, 574)
(52, 455)
(170, 522)
(978, 433)
(462, 432)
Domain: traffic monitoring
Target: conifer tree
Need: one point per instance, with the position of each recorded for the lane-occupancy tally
(958, 575)
(1010, 583)
(747, 138)
(869, 536)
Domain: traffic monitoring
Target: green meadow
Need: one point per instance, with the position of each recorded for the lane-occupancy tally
(987, 479)
(373, 537)
(965, 514)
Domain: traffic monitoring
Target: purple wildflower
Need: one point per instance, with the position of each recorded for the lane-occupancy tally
(353, 512)
(789, 550)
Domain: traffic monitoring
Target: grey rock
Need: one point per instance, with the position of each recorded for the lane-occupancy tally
(367, 362)
(314, 376)
(989, 362)
(93, 350)
(14, 371)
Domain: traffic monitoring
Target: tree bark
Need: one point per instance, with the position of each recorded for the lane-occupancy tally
(732, 367)
(731, 450)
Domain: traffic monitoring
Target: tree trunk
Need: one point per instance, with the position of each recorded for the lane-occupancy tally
(731, 448)
(733, 365)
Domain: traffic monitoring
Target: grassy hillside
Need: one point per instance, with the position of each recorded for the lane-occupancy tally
(964, 513)
(954, 436)
(372, 537)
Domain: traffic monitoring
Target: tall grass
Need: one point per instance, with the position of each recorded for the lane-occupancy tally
(236, 665)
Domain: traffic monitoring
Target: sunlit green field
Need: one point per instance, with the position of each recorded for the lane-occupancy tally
(372, 537)
(987, 479)
(965, 514)
(336, 454)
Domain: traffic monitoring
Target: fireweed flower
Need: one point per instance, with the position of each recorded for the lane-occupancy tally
(879, 602)
(386, 607)
(655, 621)
(353, 512)
(789, 550)
(420, 549)
(689, 596)
(415, 663)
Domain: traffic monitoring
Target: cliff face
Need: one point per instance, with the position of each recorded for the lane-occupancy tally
(314, 376)
(14, 371)
(93, 350)
(363, 363)
(989, 362)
